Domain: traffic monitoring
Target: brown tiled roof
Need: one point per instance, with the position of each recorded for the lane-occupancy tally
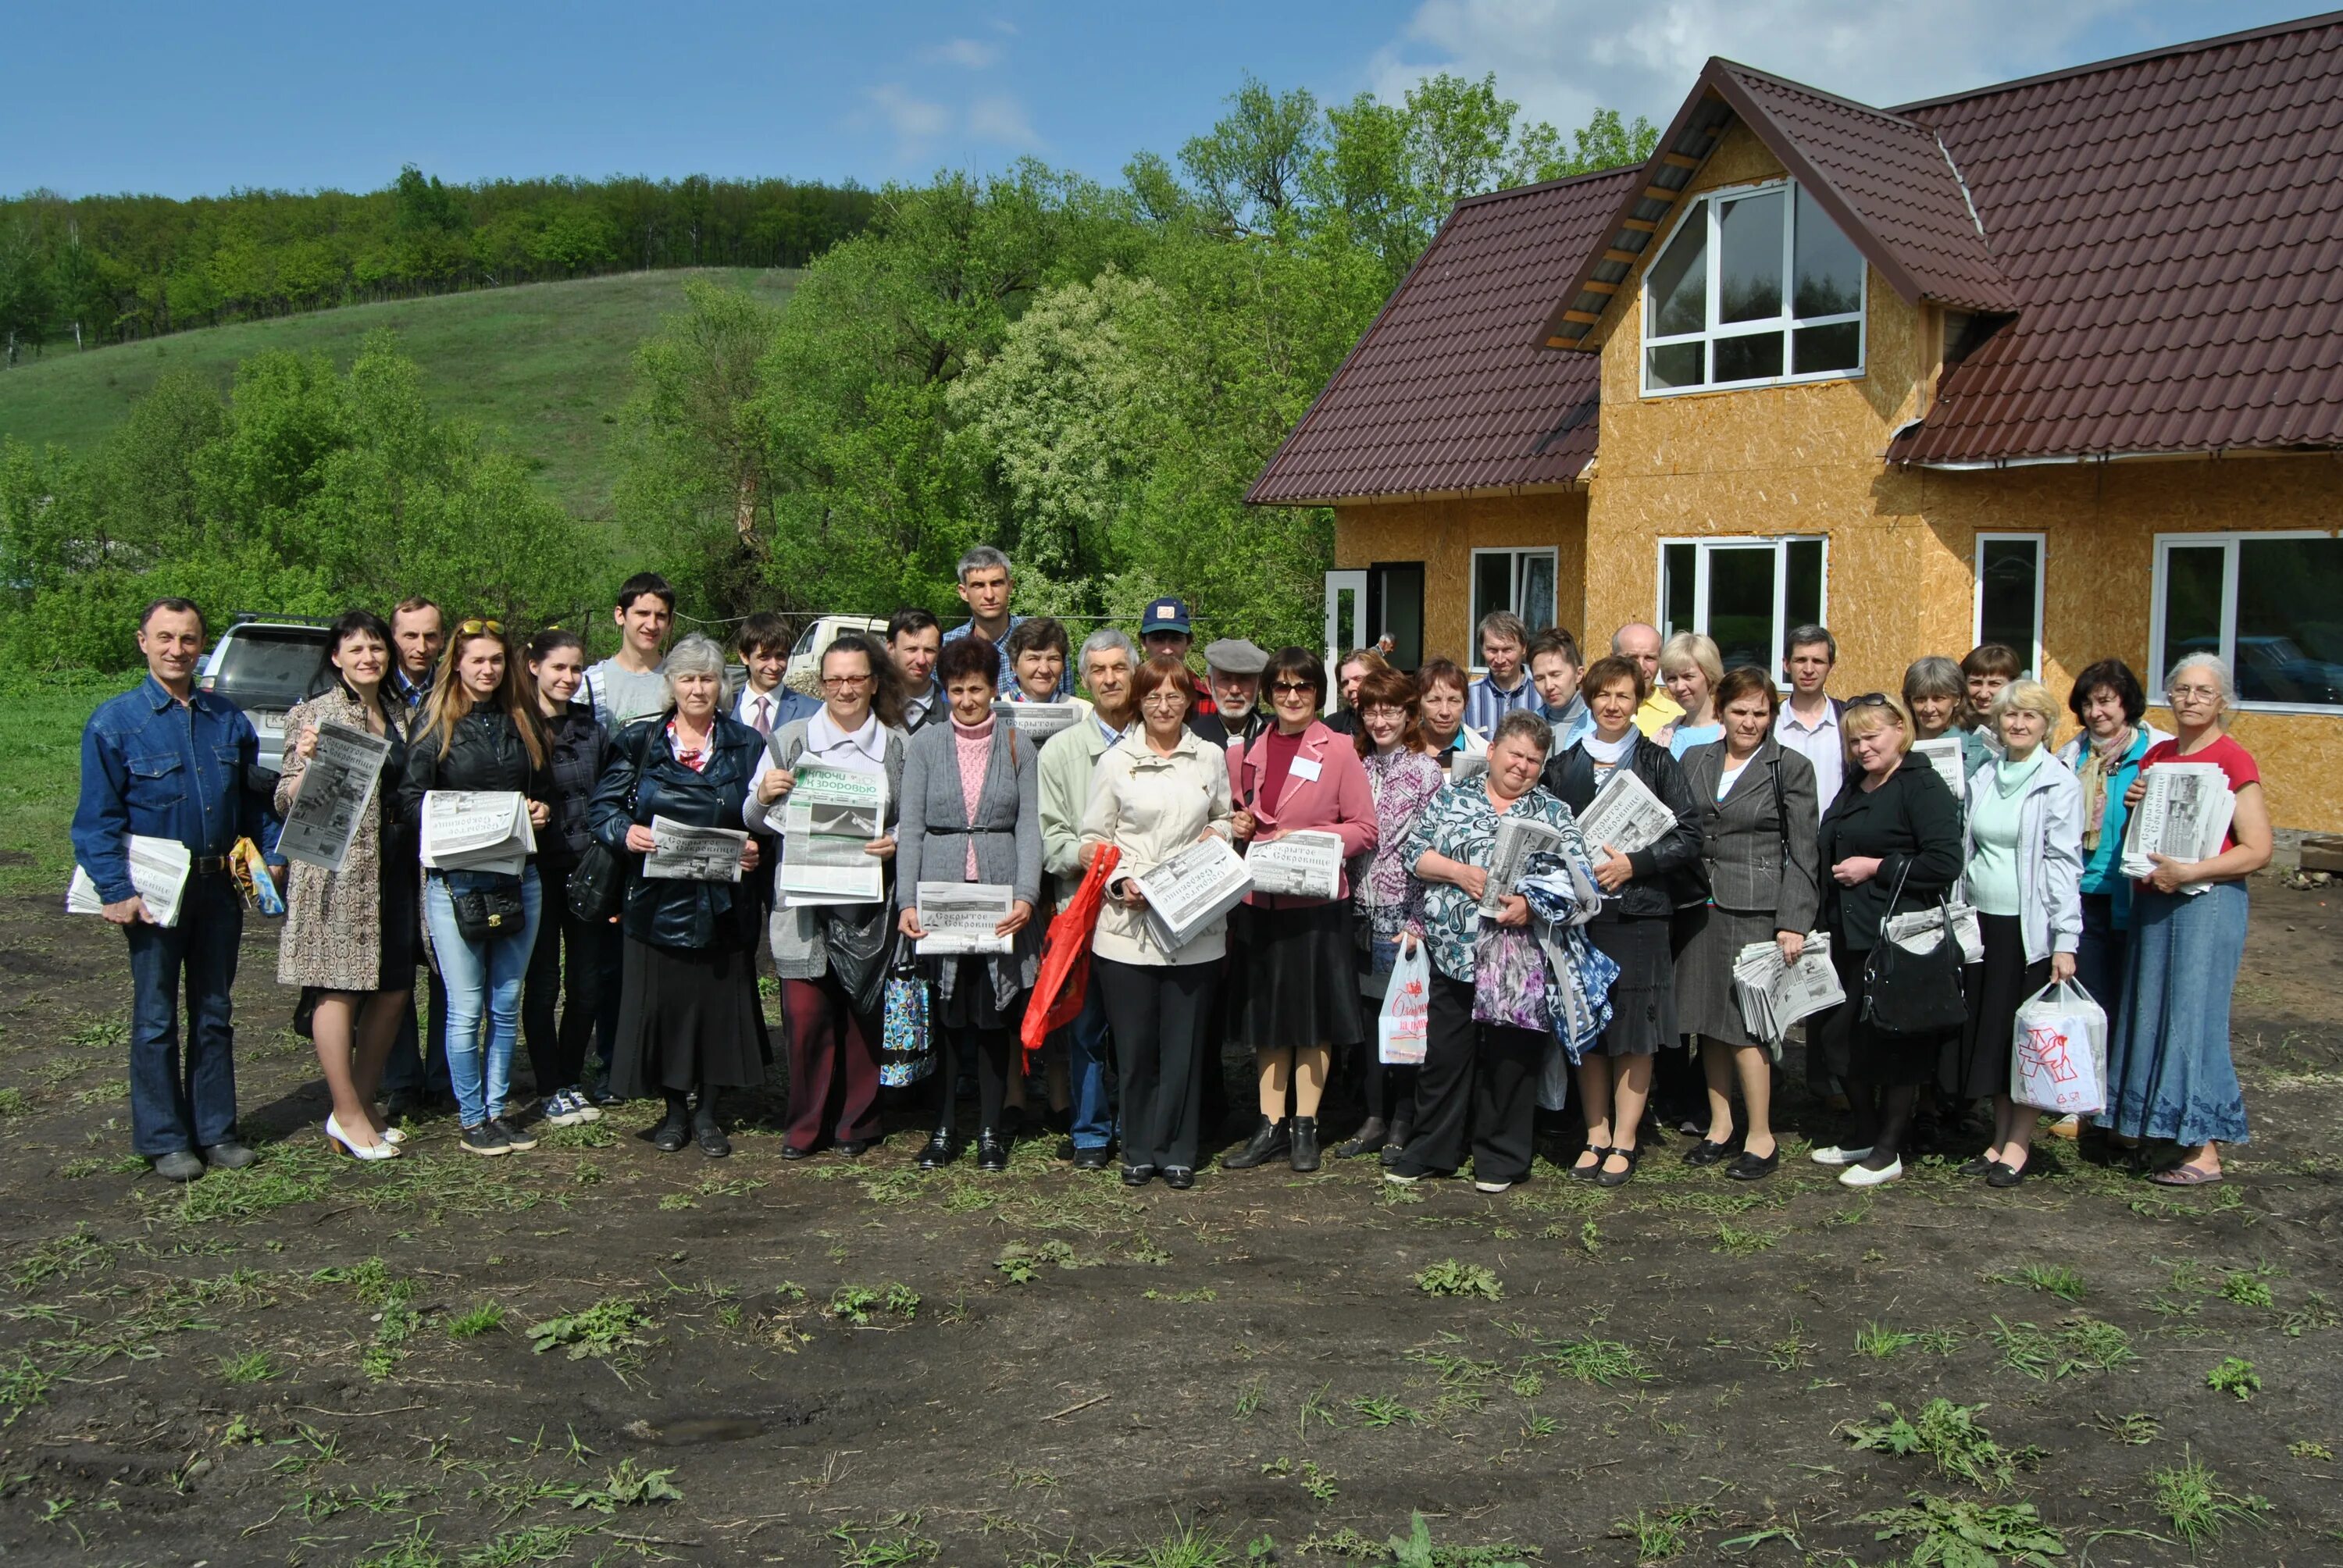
(2171, 225)
(1449, 391)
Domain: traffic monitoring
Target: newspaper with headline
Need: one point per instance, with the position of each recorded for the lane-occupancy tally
(1037, 721)
(1302, 865)
(960, 917)
(832, 815)
(337, 787)
(1194, 888)
(1625, 814)
(1518, 838)
(1944, 754)
(1918, 931)
(681, 852)
(477, 830)
(2184, 813)
(1773, 995)
(158, 872)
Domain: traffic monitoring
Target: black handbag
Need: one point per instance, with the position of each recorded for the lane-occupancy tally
(488, 906)
(1904, 992)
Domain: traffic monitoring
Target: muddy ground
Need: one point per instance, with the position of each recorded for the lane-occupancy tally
(852, 1363)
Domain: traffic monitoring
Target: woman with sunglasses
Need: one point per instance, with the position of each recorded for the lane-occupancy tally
(1300, 986)
(481, 731)
(1890, 843)
(350, 935)
(2169, 1073)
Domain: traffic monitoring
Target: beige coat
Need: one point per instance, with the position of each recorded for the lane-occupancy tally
(332, 919)
(1151, 808)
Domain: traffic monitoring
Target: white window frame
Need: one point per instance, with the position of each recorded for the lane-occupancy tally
(1514, 591)
(2159, 582)
(2041, 543)
(1702, 208)
(1702, 543)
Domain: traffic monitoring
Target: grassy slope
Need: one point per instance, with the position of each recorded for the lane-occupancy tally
(40, 775)
(548, 364)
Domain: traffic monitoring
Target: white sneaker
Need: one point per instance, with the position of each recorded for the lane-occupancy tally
(1864, 1176)
(1491, 1187)
(561, 1109)
(1400, 1179)
(581, 1105)
(1832, 1154)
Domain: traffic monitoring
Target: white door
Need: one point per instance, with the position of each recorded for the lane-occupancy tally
(1346, 622)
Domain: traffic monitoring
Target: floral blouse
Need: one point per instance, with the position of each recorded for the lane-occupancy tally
(1403, 783)
(1461, 825)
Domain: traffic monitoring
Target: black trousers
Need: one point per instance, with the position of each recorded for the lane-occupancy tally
(988, 1051)
(1477, 1089)
(1160, 1016)
(574, 962)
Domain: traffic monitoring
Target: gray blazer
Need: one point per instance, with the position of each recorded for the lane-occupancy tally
(796, 934)
(1772, 801)
(932, 838)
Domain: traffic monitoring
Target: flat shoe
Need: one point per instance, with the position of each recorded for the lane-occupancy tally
(1138, 1175)
(1179, 1177)
(1834, 1154)
(1610, 1178)
(1748, 1167)
(2186, 1176)
(1864, 1176)
(2004, 1174)
(1592, 1172)
(1707, 1152)
(1980, 1166)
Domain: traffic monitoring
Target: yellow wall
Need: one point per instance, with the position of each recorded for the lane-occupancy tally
(1900, 582)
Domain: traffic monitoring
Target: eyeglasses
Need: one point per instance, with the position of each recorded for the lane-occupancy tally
(1382, 710)
(1163, 699)
(834, 682)
(1282, 688)
(475, 628)
(2203, 693)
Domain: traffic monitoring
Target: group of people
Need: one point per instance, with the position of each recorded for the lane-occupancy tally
(1795, 813)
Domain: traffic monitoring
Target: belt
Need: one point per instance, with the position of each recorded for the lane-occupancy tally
(208, 865)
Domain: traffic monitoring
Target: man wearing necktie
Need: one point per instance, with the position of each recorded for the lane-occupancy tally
(765, 705)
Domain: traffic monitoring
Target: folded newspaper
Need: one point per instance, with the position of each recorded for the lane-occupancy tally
(1194, 888)
(158, 872)
(960, 917)
(1773, 995)
(832, 815)
(1918, 931)
(1303, 865)
(1518, 838)
(337, 787)
(1037, 721)
(477, 830)
(681, 852)
(2184, 813)
(1945, 755)
(1625, 814)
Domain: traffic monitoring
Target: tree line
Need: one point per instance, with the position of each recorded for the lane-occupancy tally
(1089, 375)
(112, 269)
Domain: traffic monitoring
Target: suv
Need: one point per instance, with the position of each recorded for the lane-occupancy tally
(264, 665)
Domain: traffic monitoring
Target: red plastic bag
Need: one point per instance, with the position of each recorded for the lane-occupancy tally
(1058, 988)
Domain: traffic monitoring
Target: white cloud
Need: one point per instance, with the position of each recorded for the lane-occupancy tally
(1001, 118)
(1565, 58)
(916, 122)
(970, 53)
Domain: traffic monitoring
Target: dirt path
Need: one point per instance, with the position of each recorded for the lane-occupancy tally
(853, 1363)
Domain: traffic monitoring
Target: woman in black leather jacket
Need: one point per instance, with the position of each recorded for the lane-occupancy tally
(577, 750)
(481, 732)
(1644, 888)
(688, 1017)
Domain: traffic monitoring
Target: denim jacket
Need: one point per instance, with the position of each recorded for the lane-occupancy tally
(151, 767)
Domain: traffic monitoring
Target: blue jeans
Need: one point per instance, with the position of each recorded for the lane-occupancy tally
(1088, 1069)
(185, 1101)
(483, 981)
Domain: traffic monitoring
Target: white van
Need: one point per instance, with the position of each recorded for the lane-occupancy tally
(804, 671)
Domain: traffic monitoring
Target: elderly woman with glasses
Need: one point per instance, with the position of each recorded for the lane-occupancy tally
(688, 1017)
(1301, 986)
(2170, 1074)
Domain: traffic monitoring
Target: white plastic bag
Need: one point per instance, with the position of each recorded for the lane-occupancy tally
(1405, 1023)
(2058, 1059)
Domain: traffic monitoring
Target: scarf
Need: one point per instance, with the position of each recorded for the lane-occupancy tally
(2100, 761)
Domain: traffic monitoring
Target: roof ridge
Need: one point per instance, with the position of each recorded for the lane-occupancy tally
(1810, 89)
(1543, 186)
(2161, 51)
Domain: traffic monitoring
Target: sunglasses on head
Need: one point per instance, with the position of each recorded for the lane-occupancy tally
(475, 628)
(1871, 699)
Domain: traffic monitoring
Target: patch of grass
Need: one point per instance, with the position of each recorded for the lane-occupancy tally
(858, 1304)
(2234, 1374)
(1736, 1242)
(2052, 1279)
(1594, 1361)
(2316, 1313)
(2193, 1502)
(1417, 1550)
(1949, 1435)
(627, 1487)
(2078, 1344)
(252, 1367)
(76, 1250)
(1880, 1344)
(1380, 1410)
(1792, 1351)
(2312, 1450)
(1663, 1533)
(2136, 1430)
(1450, 1278)
(2247, 1291)
(1959, 1533)
(605, 1329)
(892, 1542)
(486, 1318)
(274, 1183)
(22, 1387)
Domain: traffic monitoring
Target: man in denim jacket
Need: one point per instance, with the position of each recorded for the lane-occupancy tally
(168, 761)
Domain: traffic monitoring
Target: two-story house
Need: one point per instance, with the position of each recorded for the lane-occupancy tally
(2057, 363)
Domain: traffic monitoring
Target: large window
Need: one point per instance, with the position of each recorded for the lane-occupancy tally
(1746, 594)
(1756, 284)
(1518, 581)
(2269, 603)
(2009, 595)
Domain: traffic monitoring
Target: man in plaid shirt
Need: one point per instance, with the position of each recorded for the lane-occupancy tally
(1504, 641)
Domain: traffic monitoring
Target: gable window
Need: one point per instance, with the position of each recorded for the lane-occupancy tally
(2009, 596)
(2265, 603)
(1755, 286)
(1518, 581)
(1746, 594)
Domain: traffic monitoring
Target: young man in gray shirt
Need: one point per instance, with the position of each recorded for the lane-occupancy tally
(631, 684)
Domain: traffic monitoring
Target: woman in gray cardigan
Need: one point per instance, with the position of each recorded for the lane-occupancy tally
(1757, 820)
(972, 813)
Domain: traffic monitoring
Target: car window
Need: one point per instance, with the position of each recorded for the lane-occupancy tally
(257, 663)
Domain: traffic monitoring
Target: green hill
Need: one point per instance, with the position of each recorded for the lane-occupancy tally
(548, 364)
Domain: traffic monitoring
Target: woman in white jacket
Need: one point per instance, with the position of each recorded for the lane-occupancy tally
(2023, 854)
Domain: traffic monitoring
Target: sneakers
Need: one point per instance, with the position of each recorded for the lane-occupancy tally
(1833, 1154)
(488, 1138)
(515, 1138)
(570, 1108)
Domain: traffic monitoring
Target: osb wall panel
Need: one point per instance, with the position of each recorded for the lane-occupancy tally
(1443, 535)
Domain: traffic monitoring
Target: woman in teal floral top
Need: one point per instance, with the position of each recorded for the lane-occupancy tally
(1479, 1081)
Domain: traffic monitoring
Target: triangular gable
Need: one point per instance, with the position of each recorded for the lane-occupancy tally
(1884, 179)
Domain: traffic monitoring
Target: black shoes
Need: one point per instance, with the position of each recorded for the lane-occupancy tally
(1980, 1166)
(1606, 1177)
(941, 1150)
(1179, 1177)
(1269, 1140)
(1370, 1138)
(2004, 1174)
(1748, 1167)
(1091, 1159)
(1707, 1152)
(711, 1138)
(992, 1151)
(1592, 1171)
(178, 1165)
(788, 1151)
(855, 1148)
(228, 1154)
(671, 1134)
(1138, 1175)
(1305, 1145)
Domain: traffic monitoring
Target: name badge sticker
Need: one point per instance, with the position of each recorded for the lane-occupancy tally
(1305, 768)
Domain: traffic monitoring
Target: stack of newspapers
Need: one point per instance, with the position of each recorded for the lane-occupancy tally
(158, 872)
(2183, 814)
(477, 831)
(1773, 995)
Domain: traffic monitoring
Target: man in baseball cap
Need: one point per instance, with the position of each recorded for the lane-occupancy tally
(1164, 629)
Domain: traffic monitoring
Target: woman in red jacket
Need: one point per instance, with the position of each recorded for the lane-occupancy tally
(1299, 989)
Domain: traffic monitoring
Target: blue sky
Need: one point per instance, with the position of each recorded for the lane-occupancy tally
(183, 102)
